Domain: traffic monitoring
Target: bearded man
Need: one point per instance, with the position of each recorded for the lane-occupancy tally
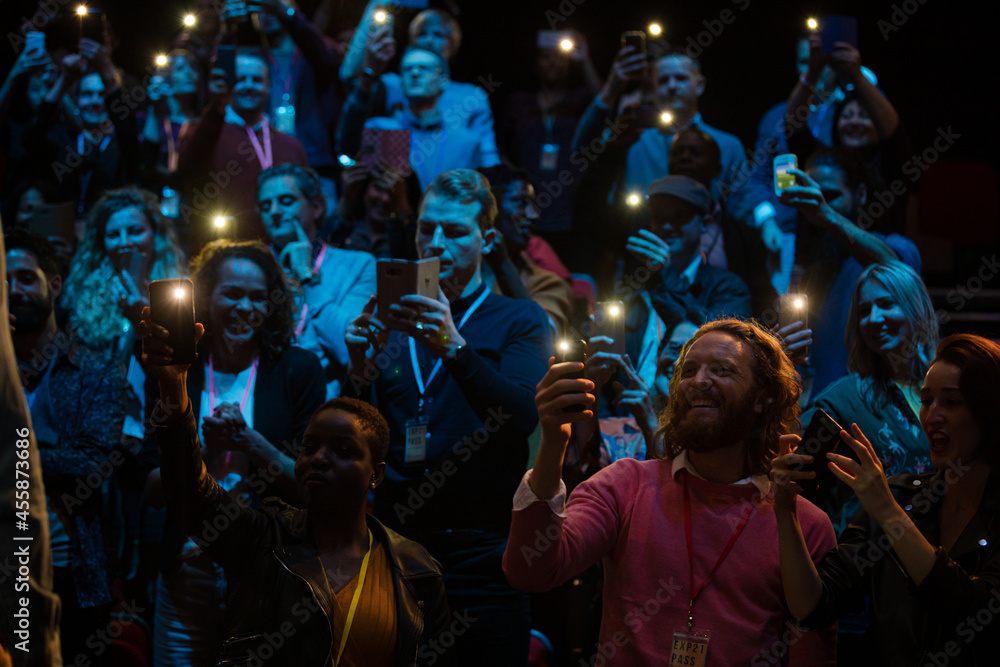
(688, 538)
(77, 408)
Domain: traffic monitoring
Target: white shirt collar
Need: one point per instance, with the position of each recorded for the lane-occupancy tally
(681, 461)
(692, 270)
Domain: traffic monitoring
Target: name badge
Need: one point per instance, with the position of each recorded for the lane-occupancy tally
(550, 157)
(284, 119)
(416, 441)
(690, 648)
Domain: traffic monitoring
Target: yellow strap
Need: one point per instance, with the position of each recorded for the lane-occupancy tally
(354, 601)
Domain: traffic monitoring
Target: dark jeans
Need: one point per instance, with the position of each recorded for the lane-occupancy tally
(491, 622)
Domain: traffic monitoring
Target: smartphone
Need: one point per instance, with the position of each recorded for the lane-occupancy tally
(572, 350)
(609, 321)
(385, 12)
(552, 39)
(649, 116)
(822, 435)
(389, 146)
(836, 28)
(395, 278)
(34, 44)
(131, 260)
(635, 39)
(783, 178)
(793, 308)
(171, 305)
(92, 25)
(225, 59)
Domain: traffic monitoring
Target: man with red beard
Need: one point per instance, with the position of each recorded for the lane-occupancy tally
(687, 538)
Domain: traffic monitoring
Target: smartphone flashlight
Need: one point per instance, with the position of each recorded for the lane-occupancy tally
(219, 221)
(793, 308)
(655, 29)
(179, 293)
(161, 60)
(189, 20)
(81, 10)
(613, 311)
(380, 16)
(812, 24)
(634, 199)
(566, 45)
(665, 117)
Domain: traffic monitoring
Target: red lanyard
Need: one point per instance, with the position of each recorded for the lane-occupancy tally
(246, 391)
(690, 545)
(263, 154)
(301, 326)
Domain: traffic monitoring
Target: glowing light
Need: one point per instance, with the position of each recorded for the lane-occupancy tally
(812, 23)
(665, 117)
(189, 20)
(613, 311)
(380, 16)
(798, 303)
(179, 292)
(81, 10)
(564, 345)
(566, 45)
(655, 29)
(633, 200)
(161, 60)
(219, 221)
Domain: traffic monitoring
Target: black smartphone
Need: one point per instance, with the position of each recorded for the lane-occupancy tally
(225, 59)
(131, 260)
(171, 305)
(649, 116)
(609, 321)
(836, 28)
(793, 308)
(821, 436)
(636, 39)
(92, 25)
(572, 350)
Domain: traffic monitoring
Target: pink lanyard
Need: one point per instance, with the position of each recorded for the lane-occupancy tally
(263, 154)
(301, 326)
(246, 391)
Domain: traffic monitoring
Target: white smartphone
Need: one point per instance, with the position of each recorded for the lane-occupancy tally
(782, 177)
(34, 44)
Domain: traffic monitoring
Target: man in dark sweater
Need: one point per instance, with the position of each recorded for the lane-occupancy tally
(681, 286)
(455, 379)
(224, 151)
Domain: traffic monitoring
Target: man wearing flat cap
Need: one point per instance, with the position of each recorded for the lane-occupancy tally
(682, 286)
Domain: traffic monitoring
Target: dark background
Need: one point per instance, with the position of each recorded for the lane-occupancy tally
(938, 68)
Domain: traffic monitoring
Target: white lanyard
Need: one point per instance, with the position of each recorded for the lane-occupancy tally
(421, 387)
(263, 154)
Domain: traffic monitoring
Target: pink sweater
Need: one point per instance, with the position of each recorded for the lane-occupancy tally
(631, 514)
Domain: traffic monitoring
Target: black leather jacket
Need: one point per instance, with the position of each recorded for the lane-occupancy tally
(942, 619)
(278, 604)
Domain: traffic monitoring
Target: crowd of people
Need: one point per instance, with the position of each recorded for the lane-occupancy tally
(429, 477)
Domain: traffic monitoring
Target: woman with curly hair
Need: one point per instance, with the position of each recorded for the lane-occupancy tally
(252, 395)
(702, 507)
(127, 244)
